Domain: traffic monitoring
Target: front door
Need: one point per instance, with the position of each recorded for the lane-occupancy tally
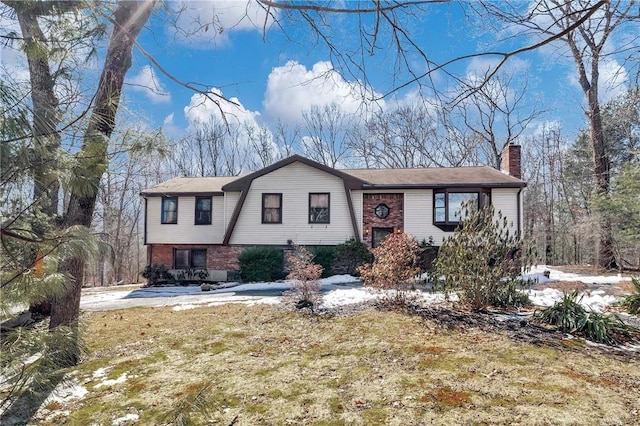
(378, 234)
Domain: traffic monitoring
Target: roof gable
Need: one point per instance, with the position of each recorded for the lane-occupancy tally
(243, 182)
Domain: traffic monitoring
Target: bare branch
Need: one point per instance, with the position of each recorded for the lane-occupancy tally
(292, 5)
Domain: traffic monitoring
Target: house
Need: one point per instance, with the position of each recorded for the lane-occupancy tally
(205, 223)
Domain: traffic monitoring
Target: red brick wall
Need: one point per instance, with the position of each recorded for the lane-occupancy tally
(219, 257)
(395, 220)
(511, 162)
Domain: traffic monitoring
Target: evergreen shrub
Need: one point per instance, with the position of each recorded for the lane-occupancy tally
(350, 255)
(261, 264)
(482, 261)
(325, 256)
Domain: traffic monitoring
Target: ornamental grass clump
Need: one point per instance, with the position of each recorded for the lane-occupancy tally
(482, 261)
(632, 302)
(569, 316)
(395, 266)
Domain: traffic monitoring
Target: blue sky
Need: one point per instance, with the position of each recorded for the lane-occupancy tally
(273, 76)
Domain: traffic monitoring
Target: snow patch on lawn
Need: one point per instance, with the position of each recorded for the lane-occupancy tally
(337, 290)
(348, 296)
(125, 419)
(109, 382)
(596, 300)
(536, 273)
(66, 391)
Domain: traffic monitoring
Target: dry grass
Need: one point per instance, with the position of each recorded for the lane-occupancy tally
(235, 364)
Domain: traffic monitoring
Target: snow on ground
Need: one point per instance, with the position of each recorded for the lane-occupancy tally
(66, 391)
(596, 299)
(537, 274)
(337, 290)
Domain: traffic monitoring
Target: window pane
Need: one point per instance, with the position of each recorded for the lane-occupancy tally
(271, 211)
(203, 211)
(440, 200)
(318, 208)
(456, 199)
(272, 201)
(440, 215)
(485, 199)
(170, 210)
(199, 258)
(272, 215)
(181, 259)
(380, 234)
(204, 204)
(319, 200)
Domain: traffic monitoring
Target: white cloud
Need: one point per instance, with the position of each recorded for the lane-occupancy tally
(147, 82)
(480, 67)
(207, 22)
(170, 128)
(213, 105)
(292, 89)
(613, 80)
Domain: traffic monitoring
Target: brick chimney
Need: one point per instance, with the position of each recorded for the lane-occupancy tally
(511, 160)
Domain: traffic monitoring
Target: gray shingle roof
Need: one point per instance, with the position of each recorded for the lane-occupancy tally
(190, 185)
(435, 177)
(368, 178)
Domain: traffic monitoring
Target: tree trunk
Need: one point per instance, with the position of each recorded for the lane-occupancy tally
(129, 18)
(606, 255)
(46, 115)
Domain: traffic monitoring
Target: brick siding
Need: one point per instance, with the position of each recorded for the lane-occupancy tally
(511, 162)
(395, 220)
(219, 257)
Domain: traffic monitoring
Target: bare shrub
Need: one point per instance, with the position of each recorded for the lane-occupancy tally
(305, 275)
(395, 265)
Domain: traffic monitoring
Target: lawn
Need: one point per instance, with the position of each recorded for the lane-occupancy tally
(260, 365)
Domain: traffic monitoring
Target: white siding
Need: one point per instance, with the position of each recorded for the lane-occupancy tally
(506, 201)
(185, 231)
(418, 215)
(295, 181)
(418, 212)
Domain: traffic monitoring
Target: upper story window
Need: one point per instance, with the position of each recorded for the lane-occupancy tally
(319, 207)
(169, 210)
(271, 208)
(203, 211)
(447, 205)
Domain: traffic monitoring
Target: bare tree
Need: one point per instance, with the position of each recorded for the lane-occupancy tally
(495, 116)
(132, 152)
(212, 148)
(285, 138)
(327, 139)
(416, 135)
(585, 29)
(546, 219)
(262, 145)
(402, 138)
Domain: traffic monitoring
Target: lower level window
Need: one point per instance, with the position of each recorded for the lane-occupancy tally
(189, 258)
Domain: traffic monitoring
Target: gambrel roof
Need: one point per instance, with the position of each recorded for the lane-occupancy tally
(434, 177)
